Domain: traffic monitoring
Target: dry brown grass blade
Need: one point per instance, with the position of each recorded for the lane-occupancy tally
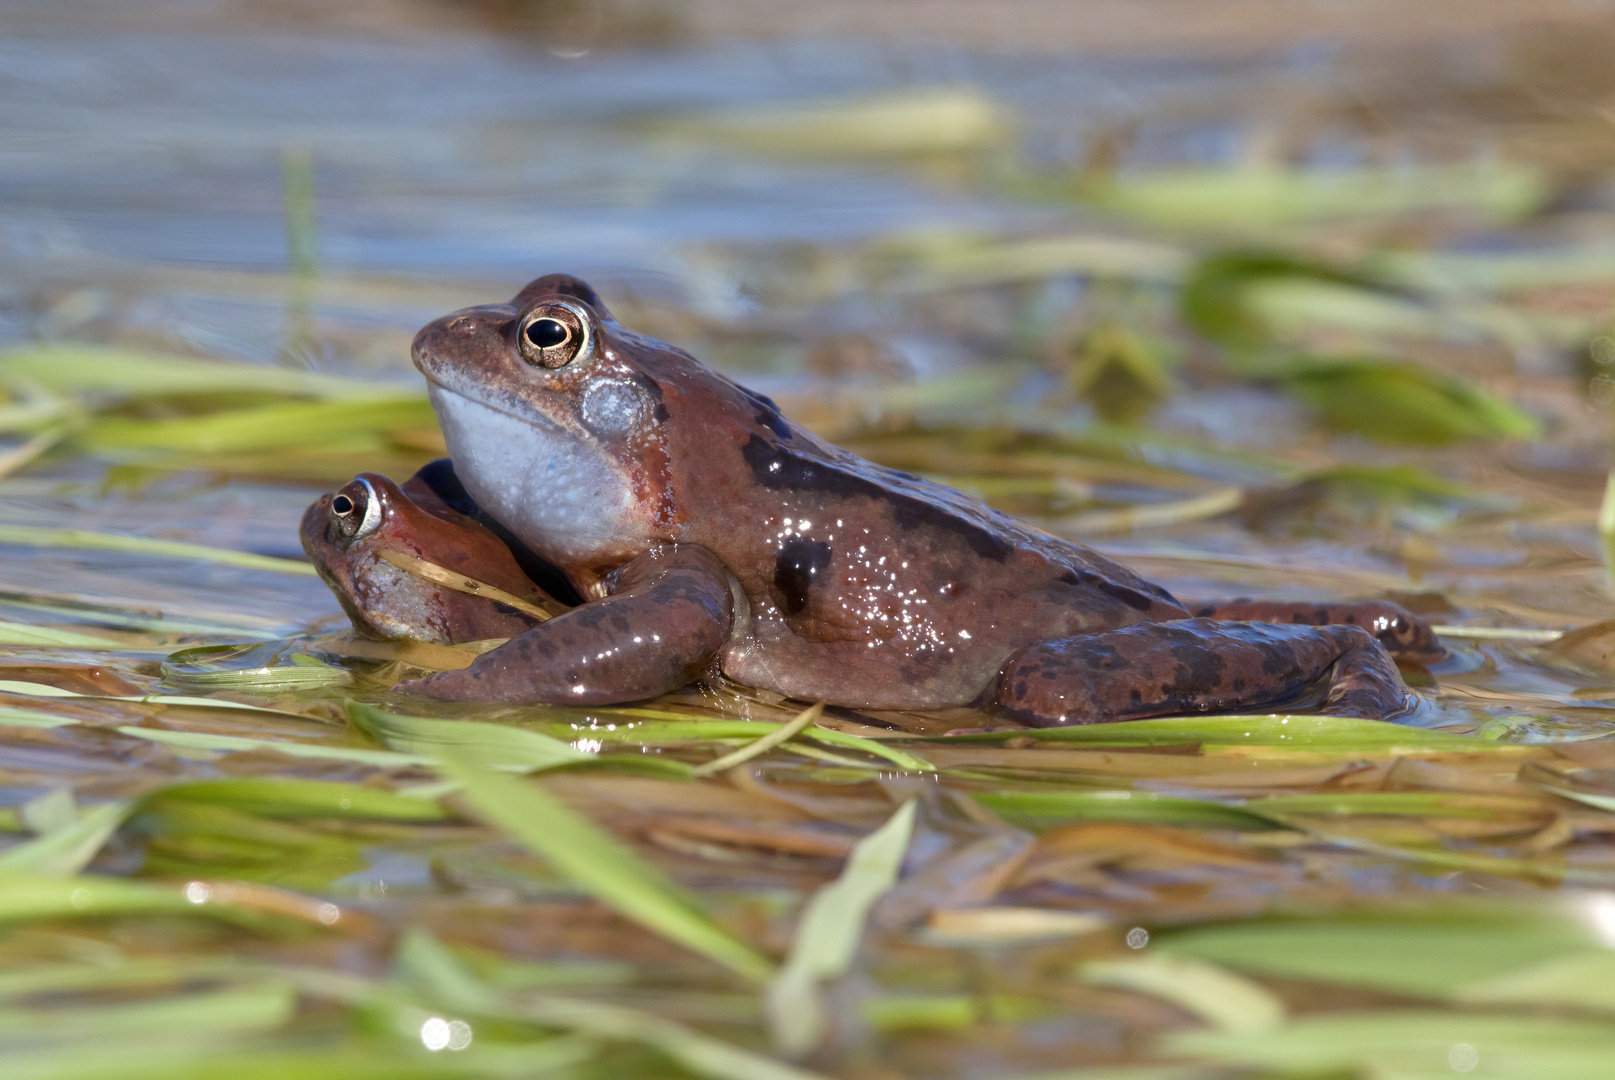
(437, 575)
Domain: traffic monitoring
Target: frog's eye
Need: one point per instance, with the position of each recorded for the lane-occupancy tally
(553, 336)
(355, 510)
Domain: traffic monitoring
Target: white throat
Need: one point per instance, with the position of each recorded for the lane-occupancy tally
(559, 495)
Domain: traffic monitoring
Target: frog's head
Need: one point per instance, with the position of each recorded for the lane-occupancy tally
(554, 416)
(354, 536)
(343, 531)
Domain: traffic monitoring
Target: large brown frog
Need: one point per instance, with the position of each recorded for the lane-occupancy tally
(706, 531)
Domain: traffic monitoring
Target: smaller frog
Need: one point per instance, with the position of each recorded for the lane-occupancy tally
(362, 537)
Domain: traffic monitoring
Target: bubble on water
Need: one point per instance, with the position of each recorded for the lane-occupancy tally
(435, 1034)
(1463, 1057)
(1137, 937)
(198, 892)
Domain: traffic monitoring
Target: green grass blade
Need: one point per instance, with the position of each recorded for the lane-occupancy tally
(284, 797)
(32, 718)
(832, 925)
(700, 1054)
(76, 369)
(1301, 732)
(1047, 807)
(784, 733)
(68, 849)
(1584, 980)
(140, 545)
(25, 897)
(1415, 1044)
(1221, 998)
(449, 983)
(264, 427)
(598, 862)
(263, 1007)
(206, 740)
(1424, 953)
(1405, 803)
(684, 731)
(15, 633)
(494, 746)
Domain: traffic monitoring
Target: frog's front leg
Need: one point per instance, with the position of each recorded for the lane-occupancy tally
(1397, 628)
(668, 613)
(1197, 666)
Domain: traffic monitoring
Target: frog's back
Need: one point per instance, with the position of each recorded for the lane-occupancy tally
(896, 591)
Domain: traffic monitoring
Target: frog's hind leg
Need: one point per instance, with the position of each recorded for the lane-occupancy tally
(1398, 629)
(668, 614)
(1197, 666)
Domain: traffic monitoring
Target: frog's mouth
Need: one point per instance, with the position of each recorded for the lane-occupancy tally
(436, 387)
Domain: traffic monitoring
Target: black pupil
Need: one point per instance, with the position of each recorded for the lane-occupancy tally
(342, 505)
(547, 333)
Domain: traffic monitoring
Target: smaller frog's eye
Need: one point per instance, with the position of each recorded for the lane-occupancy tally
(355, 510)
(553, 336)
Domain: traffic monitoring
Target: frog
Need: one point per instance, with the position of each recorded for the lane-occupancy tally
(358, 535)
(707, 535)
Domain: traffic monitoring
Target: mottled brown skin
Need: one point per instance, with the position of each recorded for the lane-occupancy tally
(1195, 665)
(344, 531)
(804, 569)
(1396, 628)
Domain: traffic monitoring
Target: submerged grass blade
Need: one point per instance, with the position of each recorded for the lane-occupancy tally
(1424, 953)
(683, 731)
(1224, 1000)
(15, 633)
(784, 733)
(598, 862)
(236, 1010)
(140, 545)
(1322, 733)
(492, 746)
(452, 985)
(68, 849)
(285, 797)
(1414, 1043)
(32, 718)
(207, 740)
(828, 935)
(33, 689)
(1047, 807)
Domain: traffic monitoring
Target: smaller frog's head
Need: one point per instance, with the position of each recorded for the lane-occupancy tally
(552, 410)
(358, 535)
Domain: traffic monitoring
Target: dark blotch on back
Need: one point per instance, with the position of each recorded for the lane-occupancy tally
(798, 563)
(776, 468)
(1133, 598)
(768, 413)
